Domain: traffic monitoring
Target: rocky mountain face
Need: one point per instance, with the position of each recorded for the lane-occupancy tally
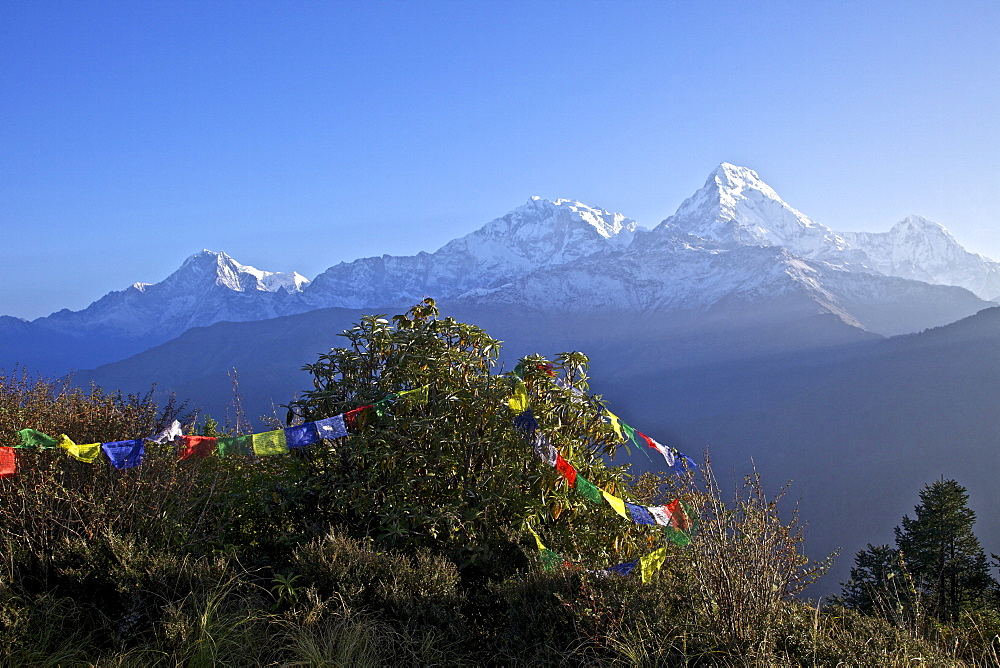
(734, 247)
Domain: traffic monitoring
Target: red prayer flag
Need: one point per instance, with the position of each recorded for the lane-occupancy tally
(196, 447)
(678, 517)
(650, 442)
(566, 469)
(351, 417)
(8, 462)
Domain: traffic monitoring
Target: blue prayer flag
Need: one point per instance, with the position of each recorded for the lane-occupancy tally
(623, 569)
(526, 421)
(331, 427)
(639, 514)
(125, 454)
(302, 435)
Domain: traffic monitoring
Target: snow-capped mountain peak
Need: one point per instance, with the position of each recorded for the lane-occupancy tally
(736, 206)
(544, 232)
(924, 250)
(218, 268)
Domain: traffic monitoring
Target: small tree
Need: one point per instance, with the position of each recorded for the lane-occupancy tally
(941, 550)
(446, 470)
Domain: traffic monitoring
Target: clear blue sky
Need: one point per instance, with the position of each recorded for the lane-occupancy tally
(294, 135)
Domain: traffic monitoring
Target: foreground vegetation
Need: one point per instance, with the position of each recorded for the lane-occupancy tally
(407, 543)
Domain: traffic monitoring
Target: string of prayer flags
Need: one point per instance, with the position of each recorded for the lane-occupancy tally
(526, 423)
(125, 454)
(197, 447)
(230, 446)
(650, 563)
(331, 428)
(301, 435)
(8, 462)
(171, 433)
(271, 443)
(32, 438)
(85, 453)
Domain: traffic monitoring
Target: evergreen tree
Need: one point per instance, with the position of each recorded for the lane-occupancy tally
(876, 584)
(941, 551)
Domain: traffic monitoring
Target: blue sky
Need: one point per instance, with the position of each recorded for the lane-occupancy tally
(294, 135)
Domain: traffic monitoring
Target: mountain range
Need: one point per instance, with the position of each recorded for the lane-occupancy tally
(734, 247)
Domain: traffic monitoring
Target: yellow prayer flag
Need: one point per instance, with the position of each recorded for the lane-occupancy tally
(419, 394)
(538, 541)
(519, 400)
(650, 563)
(270, 443)
(616, 424)
(85, 453)
(616, 503)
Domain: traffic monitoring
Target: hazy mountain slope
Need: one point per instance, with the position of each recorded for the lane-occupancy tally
(270, 353)
(859, 429)
(678, 275)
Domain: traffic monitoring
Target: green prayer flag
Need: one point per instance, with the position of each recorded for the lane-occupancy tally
(588, 490)
(629, 432)
(230, 446)
(380, 405)
(270, 443)
(550, 560)
(32, 438)
(677, 537)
